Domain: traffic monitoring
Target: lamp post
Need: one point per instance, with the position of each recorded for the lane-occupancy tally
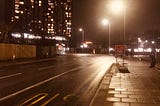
(82, 30)
(106, 22)
(83, 45)
(117, 6)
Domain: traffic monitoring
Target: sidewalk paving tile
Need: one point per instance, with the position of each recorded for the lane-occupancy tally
(140, 87)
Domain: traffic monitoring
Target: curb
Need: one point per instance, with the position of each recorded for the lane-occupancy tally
(102, 87)
(158, 67)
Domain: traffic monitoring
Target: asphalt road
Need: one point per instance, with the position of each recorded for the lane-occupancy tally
(69, 80)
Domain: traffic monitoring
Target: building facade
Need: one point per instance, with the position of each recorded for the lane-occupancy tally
(30, 28)
(36, 19)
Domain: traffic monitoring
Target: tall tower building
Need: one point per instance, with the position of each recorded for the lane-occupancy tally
(45, 18)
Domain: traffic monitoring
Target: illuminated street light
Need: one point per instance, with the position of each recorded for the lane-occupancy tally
(153, 42)
(146, 41)
(81, 30)
(139, 40)
(118, 6)
(106, 22)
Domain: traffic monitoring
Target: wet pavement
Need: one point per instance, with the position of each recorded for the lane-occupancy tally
(139, 87)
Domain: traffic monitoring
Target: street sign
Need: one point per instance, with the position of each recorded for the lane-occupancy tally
(119, 49)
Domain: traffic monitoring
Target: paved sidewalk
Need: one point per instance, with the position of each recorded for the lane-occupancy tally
(140, 87)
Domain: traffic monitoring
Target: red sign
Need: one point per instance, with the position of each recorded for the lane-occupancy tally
(119, 49)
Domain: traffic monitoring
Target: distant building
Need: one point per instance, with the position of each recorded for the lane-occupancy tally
(43, 18)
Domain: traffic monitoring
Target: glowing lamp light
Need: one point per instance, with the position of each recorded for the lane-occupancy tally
(80, 29)
(117, 6)
(84, 45)
(105, 22)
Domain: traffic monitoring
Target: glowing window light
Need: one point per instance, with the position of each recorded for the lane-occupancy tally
(68, 23)
(22, 3)
(16, 35)
(17, 17)
(83, 45)
(40, 3)
(17, 11)
(32, 1)
(140, 49)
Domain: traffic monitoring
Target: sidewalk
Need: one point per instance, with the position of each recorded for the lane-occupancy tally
(140, 87)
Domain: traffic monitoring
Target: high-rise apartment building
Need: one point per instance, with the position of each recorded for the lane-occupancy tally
(43, 18)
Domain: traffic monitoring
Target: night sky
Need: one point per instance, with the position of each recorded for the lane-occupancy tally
(141, 15)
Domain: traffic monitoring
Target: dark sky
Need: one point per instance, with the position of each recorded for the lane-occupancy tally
(141, 15)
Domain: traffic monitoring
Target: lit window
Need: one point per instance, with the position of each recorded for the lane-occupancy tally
(40, 3)
(67, 14)
(17, 17)
(16, 11)
(52, 6)
(32, 1)
(68, 23)
(21, 2)
(69, 35)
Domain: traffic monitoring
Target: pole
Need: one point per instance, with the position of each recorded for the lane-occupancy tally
(83, 39)
(124, 32)
(109, 29)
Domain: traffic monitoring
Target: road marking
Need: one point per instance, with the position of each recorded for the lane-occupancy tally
(52, 98)
(42, 96)
(38, 84)
(27, 66)
(46, 67)
(66, 98)
(10, 75)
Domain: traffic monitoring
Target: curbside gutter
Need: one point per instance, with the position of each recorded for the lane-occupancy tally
(100, 94)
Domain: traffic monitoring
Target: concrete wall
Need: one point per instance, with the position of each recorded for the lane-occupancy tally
(15, 51)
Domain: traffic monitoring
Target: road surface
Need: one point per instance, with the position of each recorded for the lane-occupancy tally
(69, 80)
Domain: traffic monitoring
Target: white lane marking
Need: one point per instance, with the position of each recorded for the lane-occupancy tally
(37, 84)
(27, 66)
(43, 68)
(3, 77)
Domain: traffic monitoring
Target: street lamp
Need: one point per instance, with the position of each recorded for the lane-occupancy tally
(82, 30)
(106, 22)
(118, 6)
